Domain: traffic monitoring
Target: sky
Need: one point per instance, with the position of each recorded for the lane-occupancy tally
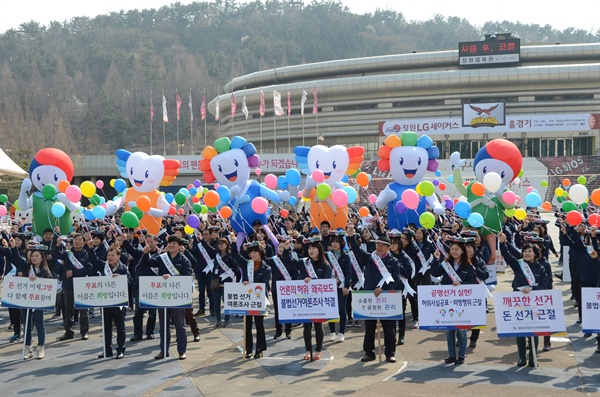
(579, 14)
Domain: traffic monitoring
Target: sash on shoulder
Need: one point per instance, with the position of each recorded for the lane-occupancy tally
(449, 269)
(386, 276)
(169, 265)
(107, 270)
(227, 272)
(74, 260)
(408, 290)
(412, 265)
(209, 262)
(357, 270)
(12, 272)
(31, 271)
(309, 268)
(424, 263)
(527, 273)
(440, 246)
(250, 270)
(282, 269)
(336, 267)
(294, 255)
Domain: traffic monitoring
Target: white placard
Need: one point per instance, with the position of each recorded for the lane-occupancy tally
(101, 291)
(537, 313)
(443, 307)
(301, 302)
(22, 293)
(565, 261)
(250, 299)
(500, 263)
(387, 306)
(493, 275)
(590, 310)
(174, 292)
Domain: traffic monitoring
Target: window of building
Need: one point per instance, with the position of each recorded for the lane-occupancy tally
(560, 147)
(534, 147)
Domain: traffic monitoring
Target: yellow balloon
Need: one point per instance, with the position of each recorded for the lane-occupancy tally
(112, 182)
(188, 229)
(88, 189)
(559, 191)
(520, 214)
(418, 189)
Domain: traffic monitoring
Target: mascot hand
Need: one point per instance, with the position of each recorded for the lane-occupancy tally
(155, 212)
(455, 160)
(234, 190)
(111, 208)
(438, 209)
(310, 182)
(283, 195)
(26, 186)
(385, 197)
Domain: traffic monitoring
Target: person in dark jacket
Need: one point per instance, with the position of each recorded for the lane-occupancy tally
(339, 256)
(482, 275)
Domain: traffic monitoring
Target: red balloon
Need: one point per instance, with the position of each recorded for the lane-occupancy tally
(180, 211)
(594, 220)
(172, 210)
(284, 213)
(574, 218)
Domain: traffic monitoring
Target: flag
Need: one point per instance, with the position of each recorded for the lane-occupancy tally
(244, 107)
(277, 103)
(289, 104)
(233, 105)
(151, 111)
(217, 110)
(178, 102)
(315, 101)
(203, 107)
(164, 104)
(261, 109)
(302, 102)
(191, 108)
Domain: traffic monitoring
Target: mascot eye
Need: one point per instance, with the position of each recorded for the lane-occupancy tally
(334, 165)
(419, 162)
(484, 170)
(401, 160)
(220, 169)
(502, 175)
(146, 174)
(131, 171)
(317, 165)
(55, 178)
(39, 177)
(235, 162)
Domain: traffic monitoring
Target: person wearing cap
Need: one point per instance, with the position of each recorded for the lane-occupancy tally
(36, 266)
(113, 267)
(458, 261)
(181, 267)
(11, 269)
(279, 272)
(337, 244)
(378, 265)
(407, 268)
(482, 275)
(410, 247)
(203, 272)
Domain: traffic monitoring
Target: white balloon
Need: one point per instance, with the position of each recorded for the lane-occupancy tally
(578, 194)
(492, 182)
(517, 181)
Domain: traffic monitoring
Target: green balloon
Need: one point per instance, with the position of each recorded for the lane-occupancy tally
(212, 209)
(138, 212)
(95, 199)
(427, 188)
(521, 173)
(204, 209)
(510, 212)
(49, 191)
(3, 198)
(180, 198)
(197, 208)
(569, 206)
(544, 183)
(427, 219)
(129, 219)
(409, 138)
(583, 206)
(560, 199)
(582, 180)
(323, 191)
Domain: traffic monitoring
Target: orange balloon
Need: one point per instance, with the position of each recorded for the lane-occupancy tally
(362, 179)
(143, 203)
(225, 212)
(547, 206)
(595, 197)
(566, 182)
(363, 211)
(211, 199)
(63, 185)
(478, 189)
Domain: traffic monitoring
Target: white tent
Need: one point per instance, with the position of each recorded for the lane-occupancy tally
(10, 168)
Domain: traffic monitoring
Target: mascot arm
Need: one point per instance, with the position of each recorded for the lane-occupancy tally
(269, 194)
(385, 197)
(73, 207)
(456, 162)
(118, 203)
(25, 202)
(433, 202)
(161, 209)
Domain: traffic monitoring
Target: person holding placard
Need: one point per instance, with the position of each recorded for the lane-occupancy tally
(284, 272)
(313, 267)
(35, 266)
(340, 262)
(257, 270)
(482, 275)
(11, 270)
(112, 267)
(456, 269)
(529, 275)
(171, 263)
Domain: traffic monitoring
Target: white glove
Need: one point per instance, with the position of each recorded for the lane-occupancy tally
(455, 160)
(26, 186)
(385, 196)
(310, 182)
(438, 209)
(234, 190)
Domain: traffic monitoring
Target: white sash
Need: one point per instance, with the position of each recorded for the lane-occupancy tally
(363, 246)
(527, 273)
(209, 262)
(294, 255)
(357, 270)
(386, 277)
(282, 269)
(412, 265)
(336, 267)
(449, 269)
(13, 271)
(424, 263)
(250, 269)
(31, 271)
(408, 290)
(227, 272)
(488, 294)
(107, 270)
(440, 246)
(169, 265)
(309, 268)
(74, 261)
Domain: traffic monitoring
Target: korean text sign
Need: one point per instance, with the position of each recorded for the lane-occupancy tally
(104, 291)
(301, 302)
(22, 293)
(537, 313)
(590, 310)
(247, 299)
(387, 306)
(447, 307)
(174, 292)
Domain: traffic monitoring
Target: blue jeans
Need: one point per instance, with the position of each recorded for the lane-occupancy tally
(35, 317)
(218, 296)
(451, 336)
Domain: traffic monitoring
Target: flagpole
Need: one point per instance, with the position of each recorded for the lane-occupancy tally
(177, 121)
(191, 124)
(203, 98)
(151, 119)
(274, 133)
(164, 135)
(232, 113)
(303, 130)
(219, 128)
(289, 112)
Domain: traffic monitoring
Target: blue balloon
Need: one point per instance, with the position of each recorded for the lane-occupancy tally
(193, 191)
(463, 209)
(58, 209)
(169, 197)
(282, 182)
(293, 177)
(533, 199)
(88, 215)
(99, 212)
(120, 185)
(438, 173)
(102, 200)
(475, 219)
(293, 200)
(351, 194)
(451, 179)
(224, 193)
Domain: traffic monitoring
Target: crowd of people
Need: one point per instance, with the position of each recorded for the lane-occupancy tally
(365, 255)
